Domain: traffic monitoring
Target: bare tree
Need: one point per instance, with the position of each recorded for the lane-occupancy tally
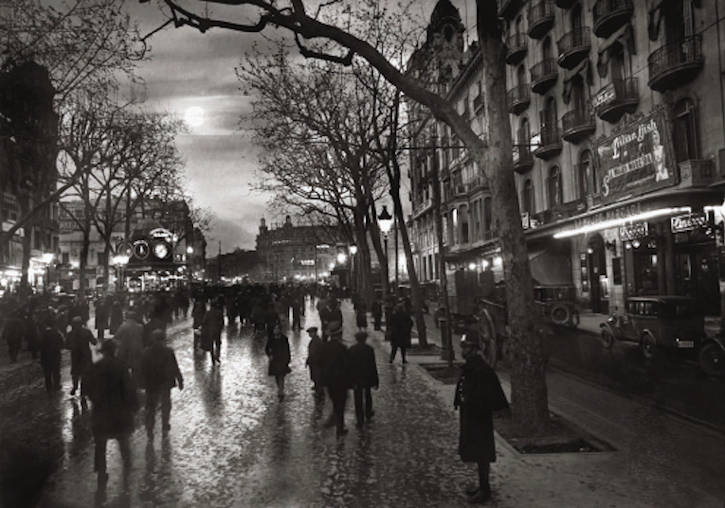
(318, 36)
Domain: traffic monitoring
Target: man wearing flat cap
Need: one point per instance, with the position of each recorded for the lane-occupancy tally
(478, 395)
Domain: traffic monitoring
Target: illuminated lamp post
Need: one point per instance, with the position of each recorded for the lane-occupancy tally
(120, 261)
(386, 222)
(353, 272)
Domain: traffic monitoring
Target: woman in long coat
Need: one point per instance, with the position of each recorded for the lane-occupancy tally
(278, 351)
(401, 325)
(211, 330)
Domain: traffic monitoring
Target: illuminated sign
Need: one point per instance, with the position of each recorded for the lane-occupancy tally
(637, 159)
(307, 262)
(161, 234)
(629, 232)
(688, 222)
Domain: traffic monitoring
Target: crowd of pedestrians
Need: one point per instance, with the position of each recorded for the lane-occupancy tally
(135, 357)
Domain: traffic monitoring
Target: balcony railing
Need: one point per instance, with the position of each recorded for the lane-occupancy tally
(675, 64)
(619, 97)
(544, 75)
(518, 98)
(549, 142)
(478, 103)
(541, 18)
(610, 15)
(574, 46)
(523, 161)
(516, 46)
(577, 124)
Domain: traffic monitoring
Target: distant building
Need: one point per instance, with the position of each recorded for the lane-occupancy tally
(235, 266)
(297, 252)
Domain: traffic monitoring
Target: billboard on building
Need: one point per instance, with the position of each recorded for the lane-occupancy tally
(638, 158)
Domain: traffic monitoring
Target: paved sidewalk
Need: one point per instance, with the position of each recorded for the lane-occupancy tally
(660, 459)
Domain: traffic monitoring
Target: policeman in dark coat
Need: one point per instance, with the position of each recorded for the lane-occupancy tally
(160, 374)
(114, 405)
(336, 378)
(51, 346)
(363, 377)
(78, 341)
(478, 395)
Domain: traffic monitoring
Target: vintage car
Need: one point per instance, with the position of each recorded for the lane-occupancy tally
(669, 323)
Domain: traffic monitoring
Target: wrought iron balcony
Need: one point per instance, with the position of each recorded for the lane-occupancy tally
(516, 46)
(541, 18)
(508, 8)
(549, 142)
(523, 161)
(574, 47)
(610, 15)
(577, 124)
(675, 64)
(617, 98)
(518, 98)
(544, 75)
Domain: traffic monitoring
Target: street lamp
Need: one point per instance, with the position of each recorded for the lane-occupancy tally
(353, 272)
(120, 261)
(386, 222)
(341, 258)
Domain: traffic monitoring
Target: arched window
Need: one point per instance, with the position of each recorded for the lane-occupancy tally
(546, 51)
(527, 197)
(684, 131)
(587, 176)
(487, 218)
(548, 119)
(554, 190)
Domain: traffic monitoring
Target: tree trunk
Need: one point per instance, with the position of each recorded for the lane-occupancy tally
(106, 267)
(528, 364)
(443, 293)
(83, 262)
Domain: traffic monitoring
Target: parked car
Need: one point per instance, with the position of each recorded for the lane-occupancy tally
(670, 323)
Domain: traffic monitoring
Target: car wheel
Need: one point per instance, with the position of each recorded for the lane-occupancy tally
(560, 315)
(712, 359)
(607, 339)
(647, 345)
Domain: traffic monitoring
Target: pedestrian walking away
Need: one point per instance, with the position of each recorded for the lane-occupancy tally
(130, 340)
(79, 342)
(478, 395)
(336, 378)
(361, 316)
(160, 374)
(13, 333)
(314, 360)
(277, 349)
(114, 406)
(363, 377)
(51, 345)
(377, 311)
(211, 330)
(401, 325)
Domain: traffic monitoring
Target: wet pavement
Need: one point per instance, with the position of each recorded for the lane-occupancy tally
(232, 443)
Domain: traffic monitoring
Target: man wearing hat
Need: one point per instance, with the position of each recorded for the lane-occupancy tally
(314, 360)
(130, 339)
(335, 377)
(79, 342)
(161, 374)
(478, 395)
(363, 377)
(114, 405)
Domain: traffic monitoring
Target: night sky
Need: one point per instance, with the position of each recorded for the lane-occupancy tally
(192, 70)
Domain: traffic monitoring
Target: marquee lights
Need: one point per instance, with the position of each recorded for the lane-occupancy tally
(590, 228)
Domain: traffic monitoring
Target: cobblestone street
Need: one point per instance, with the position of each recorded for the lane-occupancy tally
(233, 444)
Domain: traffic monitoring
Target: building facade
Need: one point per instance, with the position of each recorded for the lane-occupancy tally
(618, 120)
(290, 252)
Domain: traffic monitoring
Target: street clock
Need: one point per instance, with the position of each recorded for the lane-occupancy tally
(161, 250)
(141, 249)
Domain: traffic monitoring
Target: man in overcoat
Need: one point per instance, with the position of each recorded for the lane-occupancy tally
(401, 325)
(130, 340)
(336, 378)
(363, 377)
(478, 395)
(79, 342)
(314, 360)
(114, 405)
(160, 374)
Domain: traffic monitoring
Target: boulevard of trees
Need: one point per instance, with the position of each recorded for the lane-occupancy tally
(343, 136)
(73, 127)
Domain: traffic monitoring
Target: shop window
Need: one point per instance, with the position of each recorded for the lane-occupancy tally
(684, 131)
(554, 190)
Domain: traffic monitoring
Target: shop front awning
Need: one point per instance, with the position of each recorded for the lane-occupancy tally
(550, 267)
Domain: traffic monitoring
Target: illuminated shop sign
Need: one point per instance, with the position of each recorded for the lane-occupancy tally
(307, 262)
(637, 231)
(688, 222)
(637, 159)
